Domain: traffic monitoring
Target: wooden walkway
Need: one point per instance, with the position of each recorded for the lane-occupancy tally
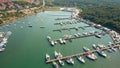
(74, 37)
(75, 55)
(76, 28)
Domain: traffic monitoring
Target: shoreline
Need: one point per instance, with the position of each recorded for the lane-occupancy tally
(31, 11)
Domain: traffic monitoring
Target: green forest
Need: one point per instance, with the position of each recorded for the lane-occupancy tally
(104, 12)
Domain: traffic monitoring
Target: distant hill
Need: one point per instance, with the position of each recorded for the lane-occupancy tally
(85, 2)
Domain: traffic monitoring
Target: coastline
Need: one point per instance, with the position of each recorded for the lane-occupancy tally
(29, 12)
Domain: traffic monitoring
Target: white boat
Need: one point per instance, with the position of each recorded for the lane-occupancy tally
(60, 55)
(47, 57)
(4, 40)
(61, 41)
(49, 38)
(86, 49)
(55, 65)
(101, 46)
(97, 35)
(61, 62)
(94, 46)
(89, 54)
(52, 42)
(56, 54)
(69, 60)
(64, 41)
(80, 59)
(100, 52)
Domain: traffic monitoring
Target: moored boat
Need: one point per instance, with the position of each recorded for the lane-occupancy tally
(80, 59)
(69, 60)
(86, 49)
(99, 51)
(47, 57)
(61, 62)
(55, 65)
(89, 54)
(60, 55)
(56, 54)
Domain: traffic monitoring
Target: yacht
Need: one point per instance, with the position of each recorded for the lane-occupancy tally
(61, 62)
(86, 49)
(80, 59)
(60, 55)
(47, 57)
(97, 35)
(100, 52)
(52, 42)
(61, 41)
(49, 38)
(69, 60)
(2, 49)
(64, 41)
(56, 54)
(55, 65)
(89, 54)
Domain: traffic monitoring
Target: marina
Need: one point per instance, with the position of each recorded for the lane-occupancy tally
(76, 36)
(29, 47)
(80, 54)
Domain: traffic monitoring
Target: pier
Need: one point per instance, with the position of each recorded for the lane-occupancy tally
(76, 28)
(82, 36)
(67, 22)
(83, 53)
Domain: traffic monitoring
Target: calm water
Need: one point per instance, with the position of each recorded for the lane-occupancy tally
(27, 46)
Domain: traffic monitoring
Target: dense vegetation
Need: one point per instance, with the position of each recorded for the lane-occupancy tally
(108, 16)
(104, 12)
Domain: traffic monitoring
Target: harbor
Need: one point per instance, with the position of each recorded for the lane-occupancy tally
(80, 54)
(89, 53)
(28, 45)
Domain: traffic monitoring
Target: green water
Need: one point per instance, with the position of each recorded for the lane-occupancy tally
(26, 47)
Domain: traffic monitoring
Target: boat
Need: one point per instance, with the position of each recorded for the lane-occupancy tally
(64, 41)
(42, 26)
(69, 60)
(30, 26)
(55, 65)
(2, 49)
(112, 48)
(52, 42)
(89, 54)
(101, 46)
(86, 49)
(109, 50)
(94, 46)
(61, 41)
(4, 40)
(47, 57)
(100, 52)
(60, 55)
(56, 54)
(80, 59)
(61, 62)
(49, 38)
(97, 35)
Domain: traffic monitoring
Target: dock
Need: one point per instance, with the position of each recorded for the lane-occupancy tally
(81, 54)
(67, 22)
(76, 28)
(88, 35)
